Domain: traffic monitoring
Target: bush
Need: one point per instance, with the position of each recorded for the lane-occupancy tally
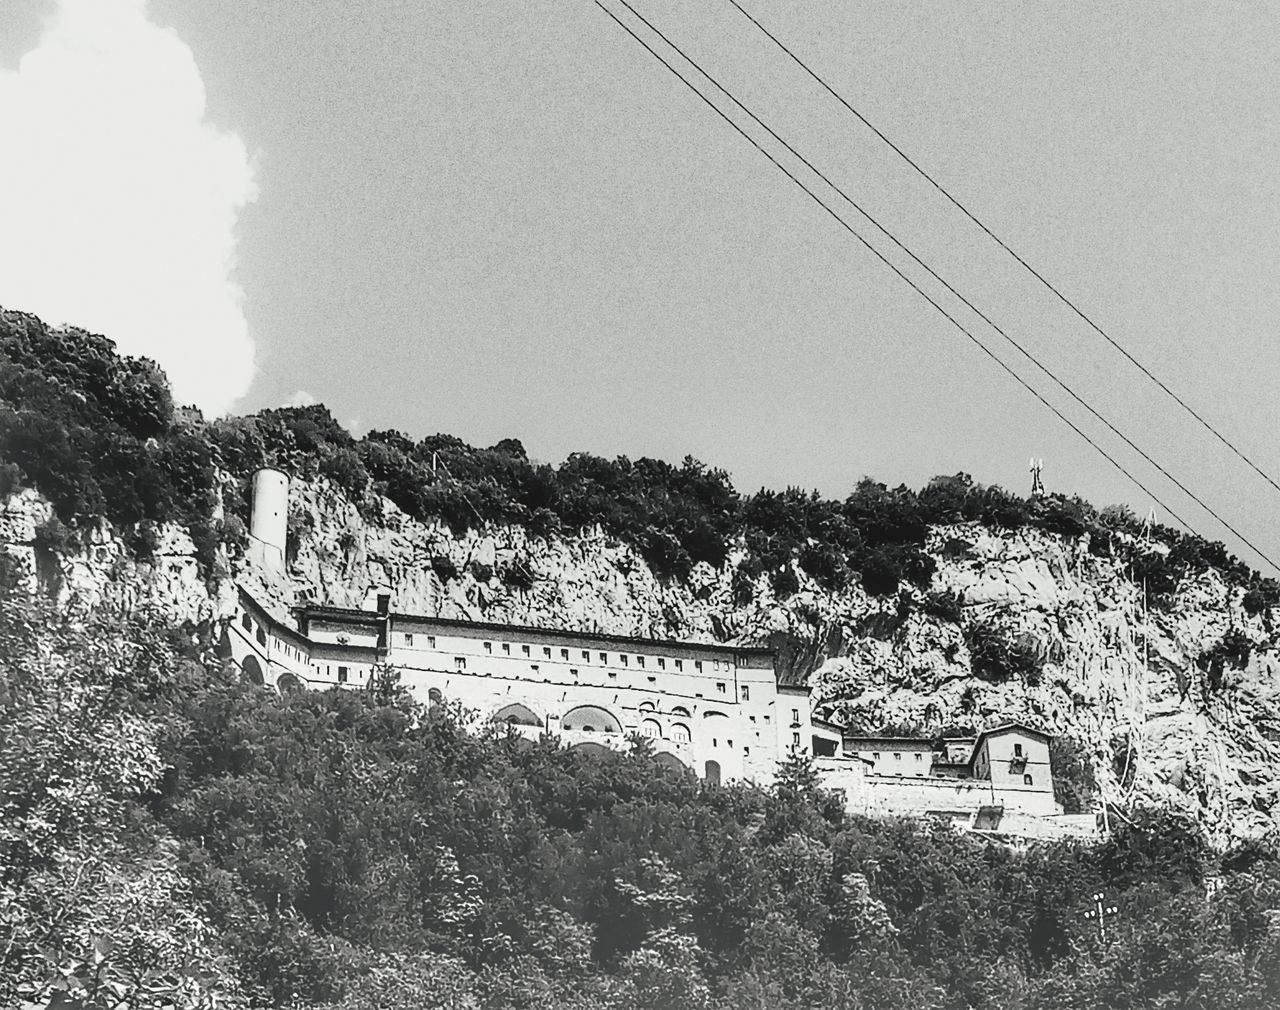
(945, 604)
(446, 571)
(997, 655)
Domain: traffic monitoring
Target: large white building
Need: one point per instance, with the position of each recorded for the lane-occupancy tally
(720, 711)
(716, 709)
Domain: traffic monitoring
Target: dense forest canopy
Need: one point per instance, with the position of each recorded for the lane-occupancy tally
(98, 434)
(174, 836)
(171, 835)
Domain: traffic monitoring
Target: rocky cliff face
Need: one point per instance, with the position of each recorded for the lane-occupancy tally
(1144, 693)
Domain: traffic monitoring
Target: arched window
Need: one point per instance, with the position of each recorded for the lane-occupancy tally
(681, 711)
(434, 697)
(680, 733)
(647, 706)
(713, 772)
(288, 683)
(516, 715)
(651, 728)
(245, 622)
(590, 719)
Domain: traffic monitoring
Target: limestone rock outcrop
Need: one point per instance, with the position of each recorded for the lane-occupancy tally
(1127, 683)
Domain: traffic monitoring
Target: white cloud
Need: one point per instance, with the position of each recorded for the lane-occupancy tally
(118, 202)
(301, 399)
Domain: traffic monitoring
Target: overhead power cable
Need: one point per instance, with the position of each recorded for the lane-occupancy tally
(941, 280)
(1003, 245)
(936, 305)
(892, 266)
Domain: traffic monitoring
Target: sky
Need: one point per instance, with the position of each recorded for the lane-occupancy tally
(497, 219)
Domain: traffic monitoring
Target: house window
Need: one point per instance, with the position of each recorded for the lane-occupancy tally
(431, 641)
(573, 671)
(795, 717)
(679, 664)
(652, 679)
(639, 661)
(342, 675)
(434, 697)
(604, 657)
(546, 652)
(746, 752)
(1017, 750)
(533, 667)
(586, 656)
(752, 718)
(715, 742)
(697, 665)
(662, 663)
(262, 637)
(246, 623)
(408, 638)
(488, 647)
(919, 757)
(564, 654)
(506, 648)
(746, 693)
(729, 742)
(767, 719)
(720, 686)
(524, 650)
(1026, 780)
(875, 755)
(613, 674)
(897, 755)
(459, 663)
(795, 739)
(625, 660)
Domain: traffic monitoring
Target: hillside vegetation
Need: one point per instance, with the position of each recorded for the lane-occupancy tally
(173, 836)
(98, 435)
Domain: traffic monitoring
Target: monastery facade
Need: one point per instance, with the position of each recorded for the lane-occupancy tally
(720, 711)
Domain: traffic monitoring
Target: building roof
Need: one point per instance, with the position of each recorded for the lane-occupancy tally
(1010, 727)
(348, 615)
(922, 741)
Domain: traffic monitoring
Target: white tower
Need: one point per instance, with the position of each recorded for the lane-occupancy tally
(269, 523)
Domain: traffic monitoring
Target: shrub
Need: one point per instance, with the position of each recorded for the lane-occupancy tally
(945, 604)
(998, 655)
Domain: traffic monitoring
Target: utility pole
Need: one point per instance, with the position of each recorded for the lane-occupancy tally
(1100, 911)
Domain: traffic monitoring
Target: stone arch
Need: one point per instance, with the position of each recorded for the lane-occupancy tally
(712, 769)
(435, 696)
(713, 714)
(648, 706)
(651, 728)
(591, 719)
(516, 714)
(681, 711)
(288, 683)
(253, 670)
(669, 760)
(680, 733)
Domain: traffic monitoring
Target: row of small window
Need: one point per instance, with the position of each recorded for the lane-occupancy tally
(722, 687)
(623, 658)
